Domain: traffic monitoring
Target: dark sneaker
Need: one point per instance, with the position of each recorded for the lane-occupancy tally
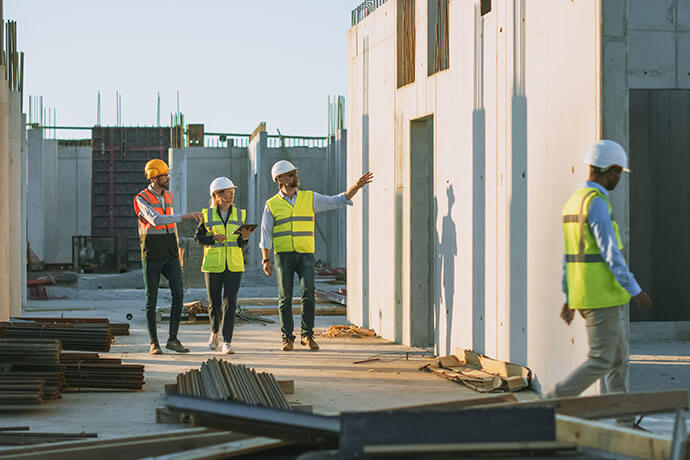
(175, 345)
(309, 342)
(155, 349)
(288, 345)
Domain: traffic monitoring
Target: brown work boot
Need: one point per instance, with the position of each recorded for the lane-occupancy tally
(309, 342)
(155, 349)
(288, 345)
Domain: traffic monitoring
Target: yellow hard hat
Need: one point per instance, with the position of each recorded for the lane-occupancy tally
(155, 168)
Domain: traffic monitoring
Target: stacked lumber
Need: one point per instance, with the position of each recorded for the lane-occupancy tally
(84, 371)
(115, 328)
(221, 380)
(73, 336)
(22, 379)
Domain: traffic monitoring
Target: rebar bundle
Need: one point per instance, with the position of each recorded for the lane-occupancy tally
(74, 336)
(22, 378)
(218, 379)
(115, 328)
(89, 370)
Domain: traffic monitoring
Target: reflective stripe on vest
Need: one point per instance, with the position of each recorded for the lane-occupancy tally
(145, 227)
(293, 226)
(591, 283)
(228, 253)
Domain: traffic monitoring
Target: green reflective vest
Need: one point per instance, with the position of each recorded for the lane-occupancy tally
(591, 283)
(293, 226)
(228, 253)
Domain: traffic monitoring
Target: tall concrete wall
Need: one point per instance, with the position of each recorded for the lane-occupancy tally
(5, 261)
(35, 193)
(24, 208)
(14, 198)
(512, 118)
(73, 197)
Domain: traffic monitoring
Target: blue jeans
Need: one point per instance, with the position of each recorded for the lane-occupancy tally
(287, 264)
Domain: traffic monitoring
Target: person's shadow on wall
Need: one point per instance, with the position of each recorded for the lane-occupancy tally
(448, 249)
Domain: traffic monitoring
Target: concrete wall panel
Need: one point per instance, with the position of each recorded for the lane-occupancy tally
(74, 197)
(656, 15)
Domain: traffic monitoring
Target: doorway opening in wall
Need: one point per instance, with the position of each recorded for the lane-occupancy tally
(660, 200)
(422, 230)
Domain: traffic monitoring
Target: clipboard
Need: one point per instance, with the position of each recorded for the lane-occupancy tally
(251, 227)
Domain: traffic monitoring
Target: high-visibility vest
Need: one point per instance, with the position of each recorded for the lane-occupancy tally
(591, 283)
(293, 226)
(228, 253)
(145, 228)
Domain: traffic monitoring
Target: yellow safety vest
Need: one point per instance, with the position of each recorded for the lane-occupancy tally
(591, 283)
(293, 226)
(228, 253)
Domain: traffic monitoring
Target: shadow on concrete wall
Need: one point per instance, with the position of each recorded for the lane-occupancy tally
(365, 192)
(448, 249)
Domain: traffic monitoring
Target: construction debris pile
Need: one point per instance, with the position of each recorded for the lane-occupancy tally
(218, 379)
(481, 373)
(73, 336)
(347, 331)
(197, 312)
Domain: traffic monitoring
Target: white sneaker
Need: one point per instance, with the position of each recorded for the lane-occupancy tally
(213, 341)
(226, 349)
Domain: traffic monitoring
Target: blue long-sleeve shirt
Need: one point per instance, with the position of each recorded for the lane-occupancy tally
(321, 203)
(599, 221)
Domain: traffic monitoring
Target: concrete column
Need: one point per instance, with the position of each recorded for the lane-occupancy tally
(257, 188)
(24, 208)
(5, 263)
(50, 197)
(14, 202)
(179, 182)
(34, 194)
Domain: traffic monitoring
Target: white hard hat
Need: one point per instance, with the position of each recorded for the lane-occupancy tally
(220, 183)
(607, 153)
(281, 167)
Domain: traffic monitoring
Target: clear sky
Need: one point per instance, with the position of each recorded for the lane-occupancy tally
(235, 63)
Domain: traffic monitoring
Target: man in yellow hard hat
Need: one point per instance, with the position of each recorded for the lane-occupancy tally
(288, 226)
(160, 250)
(596, 278)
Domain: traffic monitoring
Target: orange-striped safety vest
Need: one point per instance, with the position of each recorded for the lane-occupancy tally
(145, 227)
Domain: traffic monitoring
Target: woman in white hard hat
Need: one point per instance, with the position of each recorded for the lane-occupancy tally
(223, 263)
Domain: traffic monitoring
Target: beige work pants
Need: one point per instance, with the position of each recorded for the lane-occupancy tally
(607, 358)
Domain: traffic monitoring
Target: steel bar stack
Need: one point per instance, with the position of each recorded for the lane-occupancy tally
(84, 371)
(75, 336)
(221, 380)
(115, 328)
(30, 371)
(21, 436)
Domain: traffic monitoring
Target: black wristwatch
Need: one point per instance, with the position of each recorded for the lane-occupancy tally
(265, 260)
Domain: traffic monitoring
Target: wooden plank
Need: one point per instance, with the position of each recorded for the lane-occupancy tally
(287, 386)
(468, 447)
(611, 438)
(129, 447)
(614, 404)
(463, 403)
(229, 449)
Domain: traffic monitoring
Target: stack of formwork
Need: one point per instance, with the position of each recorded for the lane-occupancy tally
(30, 371)
(88, 370)
(218, 379)
(75, 336)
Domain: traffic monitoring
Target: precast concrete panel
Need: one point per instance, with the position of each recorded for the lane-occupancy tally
(50, 200)
(73, 196)
(24, 211)
(5, 262)
(15, 204)
(35, 194)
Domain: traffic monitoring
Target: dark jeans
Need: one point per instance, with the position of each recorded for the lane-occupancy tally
(287, 264)
(153, 269)
(221, 289)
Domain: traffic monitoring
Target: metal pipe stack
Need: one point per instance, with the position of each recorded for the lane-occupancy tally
(115, 328)
(75, 336)
(24, 378)
(89, 370)
(221, 380)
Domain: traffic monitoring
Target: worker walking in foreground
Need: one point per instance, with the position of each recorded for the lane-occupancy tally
(596, 279)
(223, 236)
(160, 250)
(288, 226)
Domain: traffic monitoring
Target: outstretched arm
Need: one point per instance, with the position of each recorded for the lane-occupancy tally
(361, 182)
